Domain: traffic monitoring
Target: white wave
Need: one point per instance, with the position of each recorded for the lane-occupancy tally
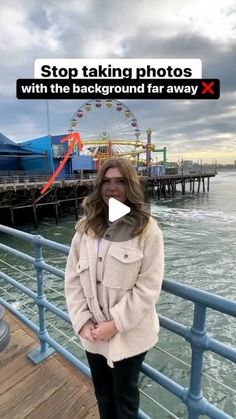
(173, 214)
(16, 305)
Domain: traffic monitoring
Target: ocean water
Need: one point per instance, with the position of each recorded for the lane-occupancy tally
(200, 250)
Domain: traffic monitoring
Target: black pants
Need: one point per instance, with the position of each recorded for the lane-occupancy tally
(116, 389)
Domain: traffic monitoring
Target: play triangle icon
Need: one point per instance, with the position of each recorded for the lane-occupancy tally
(117, 209)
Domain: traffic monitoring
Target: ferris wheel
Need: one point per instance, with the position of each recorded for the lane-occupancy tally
(107, 128)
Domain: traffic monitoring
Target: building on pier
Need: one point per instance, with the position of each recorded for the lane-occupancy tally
(40, 156)
(13, 156)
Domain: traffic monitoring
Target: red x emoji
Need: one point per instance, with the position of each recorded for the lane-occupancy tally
(208, 87)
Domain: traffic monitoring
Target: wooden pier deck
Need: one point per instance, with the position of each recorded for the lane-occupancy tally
(53, 389)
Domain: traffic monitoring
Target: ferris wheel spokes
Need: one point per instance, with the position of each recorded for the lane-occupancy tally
(102, 123)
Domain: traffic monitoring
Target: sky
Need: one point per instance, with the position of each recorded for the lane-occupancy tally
(191, 130)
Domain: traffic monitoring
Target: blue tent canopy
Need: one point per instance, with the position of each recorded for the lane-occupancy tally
(16, 151)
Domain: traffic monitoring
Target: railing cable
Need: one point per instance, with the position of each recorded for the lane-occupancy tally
(72, 340)
(31, 277)
(188, 365)
(69, 339)
(155, 347)
(159, 404)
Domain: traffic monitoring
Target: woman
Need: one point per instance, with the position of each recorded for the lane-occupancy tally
(113, 280)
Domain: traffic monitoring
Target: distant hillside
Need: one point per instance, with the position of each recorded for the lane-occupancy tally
(5, 140)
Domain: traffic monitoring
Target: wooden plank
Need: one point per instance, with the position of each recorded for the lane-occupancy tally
(54, 389)
(19, 341)
(16, 323)
(33, 390)
(71, 401)
(14, 371)
(76, 372)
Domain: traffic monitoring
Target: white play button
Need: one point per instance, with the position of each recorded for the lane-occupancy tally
(117, 209)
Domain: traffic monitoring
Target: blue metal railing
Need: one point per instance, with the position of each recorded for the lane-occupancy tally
(196, 335)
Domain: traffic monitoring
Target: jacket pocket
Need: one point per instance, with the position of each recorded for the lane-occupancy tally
(84, 274)
(122, 267)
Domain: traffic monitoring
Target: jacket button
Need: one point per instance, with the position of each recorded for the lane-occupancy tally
(100, 259)
(107, 236)
(99, 282)
(101, 307)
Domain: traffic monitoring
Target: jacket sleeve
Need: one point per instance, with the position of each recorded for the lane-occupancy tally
(75, 298)
(133, 306)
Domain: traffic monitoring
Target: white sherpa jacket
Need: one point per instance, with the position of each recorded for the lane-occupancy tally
(129, 274)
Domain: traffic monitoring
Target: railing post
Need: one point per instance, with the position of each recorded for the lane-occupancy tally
(45, 350)
(197, 341)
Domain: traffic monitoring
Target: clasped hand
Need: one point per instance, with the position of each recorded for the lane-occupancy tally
(103, 331)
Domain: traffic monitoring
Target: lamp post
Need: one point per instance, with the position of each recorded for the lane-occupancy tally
(165, 157)
(148, 149)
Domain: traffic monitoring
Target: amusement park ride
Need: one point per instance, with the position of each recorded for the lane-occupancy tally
(105, 129)
(108, 128)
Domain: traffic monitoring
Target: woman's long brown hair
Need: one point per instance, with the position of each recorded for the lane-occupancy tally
(96, 211)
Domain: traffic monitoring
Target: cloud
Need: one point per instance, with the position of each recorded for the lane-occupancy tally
(146, 29)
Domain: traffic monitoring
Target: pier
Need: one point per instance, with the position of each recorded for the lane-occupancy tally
(20, 194)
(165, 186)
